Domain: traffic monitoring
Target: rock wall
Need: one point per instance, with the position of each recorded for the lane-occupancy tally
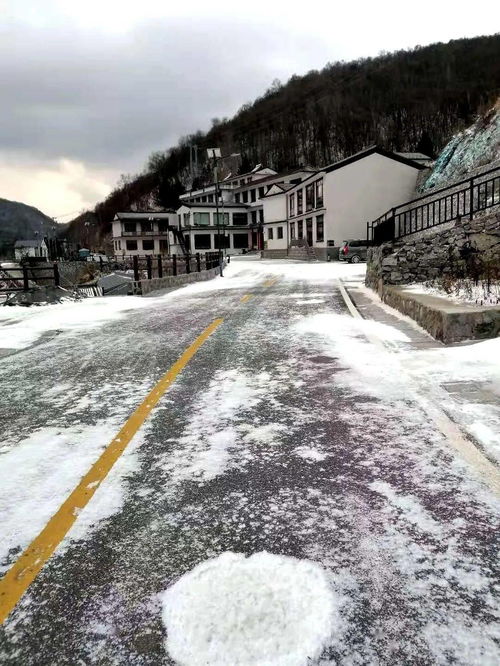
(433, 252)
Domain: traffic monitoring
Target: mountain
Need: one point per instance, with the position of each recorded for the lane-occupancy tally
(19, 221)
(407, 101)
(474, 147)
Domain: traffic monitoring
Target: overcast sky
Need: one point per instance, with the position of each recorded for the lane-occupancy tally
(90, 88)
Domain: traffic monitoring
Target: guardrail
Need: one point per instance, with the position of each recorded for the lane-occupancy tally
(462, 199)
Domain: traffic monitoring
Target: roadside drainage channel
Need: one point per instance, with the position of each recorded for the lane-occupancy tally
(428, 396)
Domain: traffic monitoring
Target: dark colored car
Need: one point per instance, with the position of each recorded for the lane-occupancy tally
(353, 251)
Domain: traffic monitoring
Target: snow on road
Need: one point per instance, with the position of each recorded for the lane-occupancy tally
(264, 609)
(289, 432)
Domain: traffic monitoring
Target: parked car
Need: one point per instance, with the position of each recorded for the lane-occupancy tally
(353, 251)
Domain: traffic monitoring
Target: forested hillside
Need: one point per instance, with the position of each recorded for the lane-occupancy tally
(405, 101)
(19, 221)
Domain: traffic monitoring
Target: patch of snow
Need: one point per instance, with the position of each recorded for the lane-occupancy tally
(308, 453)
(464, 292)
(204, 448)
(38, 473)
(265, 609)
(310, 301)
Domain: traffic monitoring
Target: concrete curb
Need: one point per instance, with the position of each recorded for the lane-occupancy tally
(445, 321)
(144, 287)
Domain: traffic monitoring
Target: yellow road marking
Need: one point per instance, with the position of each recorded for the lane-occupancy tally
(25, 569)
(245, 298)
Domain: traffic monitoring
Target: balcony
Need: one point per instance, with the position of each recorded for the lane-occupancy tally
(140, 234)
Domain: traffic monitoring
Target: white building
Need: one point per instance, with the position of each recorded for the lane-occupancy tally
(30, 248)
(335, 203)
(264, 210)
(146, 233)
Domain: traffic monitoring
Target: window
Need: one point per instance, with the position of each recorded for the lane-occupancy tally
(201, 219)
(320, 232)
(146, 226)
(148, 244)
(300, 232)
(280, 232)
(131, 245)
(221, 241)
(223, 219)
(244, 196)
(292, 229)
(237, 197)
(300, 194)
(240, 241)
(129, 227)
(270, 233)
(309, 197)
(240, 219)
(319, 193)
(253, 195)
(203, 242)
(292, 205)
(261, 192)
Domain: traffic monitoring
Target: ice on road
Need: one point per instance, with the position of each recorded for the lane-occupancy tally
(288, 433)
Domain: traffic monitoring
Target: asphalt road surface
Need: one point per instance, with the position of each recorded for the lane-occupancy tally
(287, 432)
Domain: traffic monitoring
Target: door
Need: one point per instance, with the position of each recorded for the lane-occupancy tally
(309, 231)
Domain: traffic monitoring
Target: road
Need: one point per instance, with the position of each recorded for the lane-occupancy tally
(288, 432)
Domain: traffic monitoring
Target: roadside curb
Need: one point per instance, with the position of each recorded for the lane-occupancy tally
(429, 397)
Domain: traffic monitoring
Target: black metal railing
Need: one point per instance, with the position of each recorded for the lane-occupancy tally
(462, 199)
(147, 267)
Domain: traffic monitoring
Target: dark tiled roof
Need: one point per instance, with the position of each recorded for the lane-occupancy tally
(28, 243)
(212, 205)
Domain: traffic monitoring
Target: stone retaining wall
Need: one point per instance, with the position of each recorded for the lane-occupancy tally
(144, 287)
(443, 319)
(433, 252)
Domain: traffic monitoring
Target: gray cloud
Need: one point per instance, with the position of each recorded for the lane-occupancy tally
(109, 102)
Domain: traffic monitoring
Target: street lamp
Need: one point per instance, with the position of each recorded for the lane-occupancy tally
(215, 154)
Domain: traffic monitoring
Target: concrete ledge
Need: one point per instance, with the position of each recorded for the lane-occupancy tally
(143, 287)
(444, 320)
(275, 254)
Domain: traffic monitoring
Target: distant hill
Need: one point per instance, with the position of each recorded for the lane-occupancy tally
(21, 222)
(411, 100)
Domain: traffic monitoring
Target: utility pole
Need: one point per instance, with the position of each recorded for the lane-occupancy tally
(215, 153)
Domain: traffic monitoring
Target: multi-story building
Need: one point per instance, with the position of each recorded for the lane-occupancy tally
(264, 210)
(335, 203)
(143, 233)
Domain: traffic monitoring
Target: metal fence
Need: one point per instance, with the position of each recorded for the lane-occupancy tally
(157, 266)
(462, 199)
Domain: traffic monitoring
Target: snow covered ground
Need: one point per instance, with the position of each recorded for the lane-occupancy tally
(289, 433)
(465, 291)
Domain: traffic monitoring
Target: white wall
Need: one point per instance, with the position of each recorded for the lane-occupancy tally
(362, 191)
(274, 208)
(276, 243)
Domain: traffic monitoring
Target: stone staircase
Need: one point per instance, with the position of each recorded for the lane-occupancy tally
(300, 250)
